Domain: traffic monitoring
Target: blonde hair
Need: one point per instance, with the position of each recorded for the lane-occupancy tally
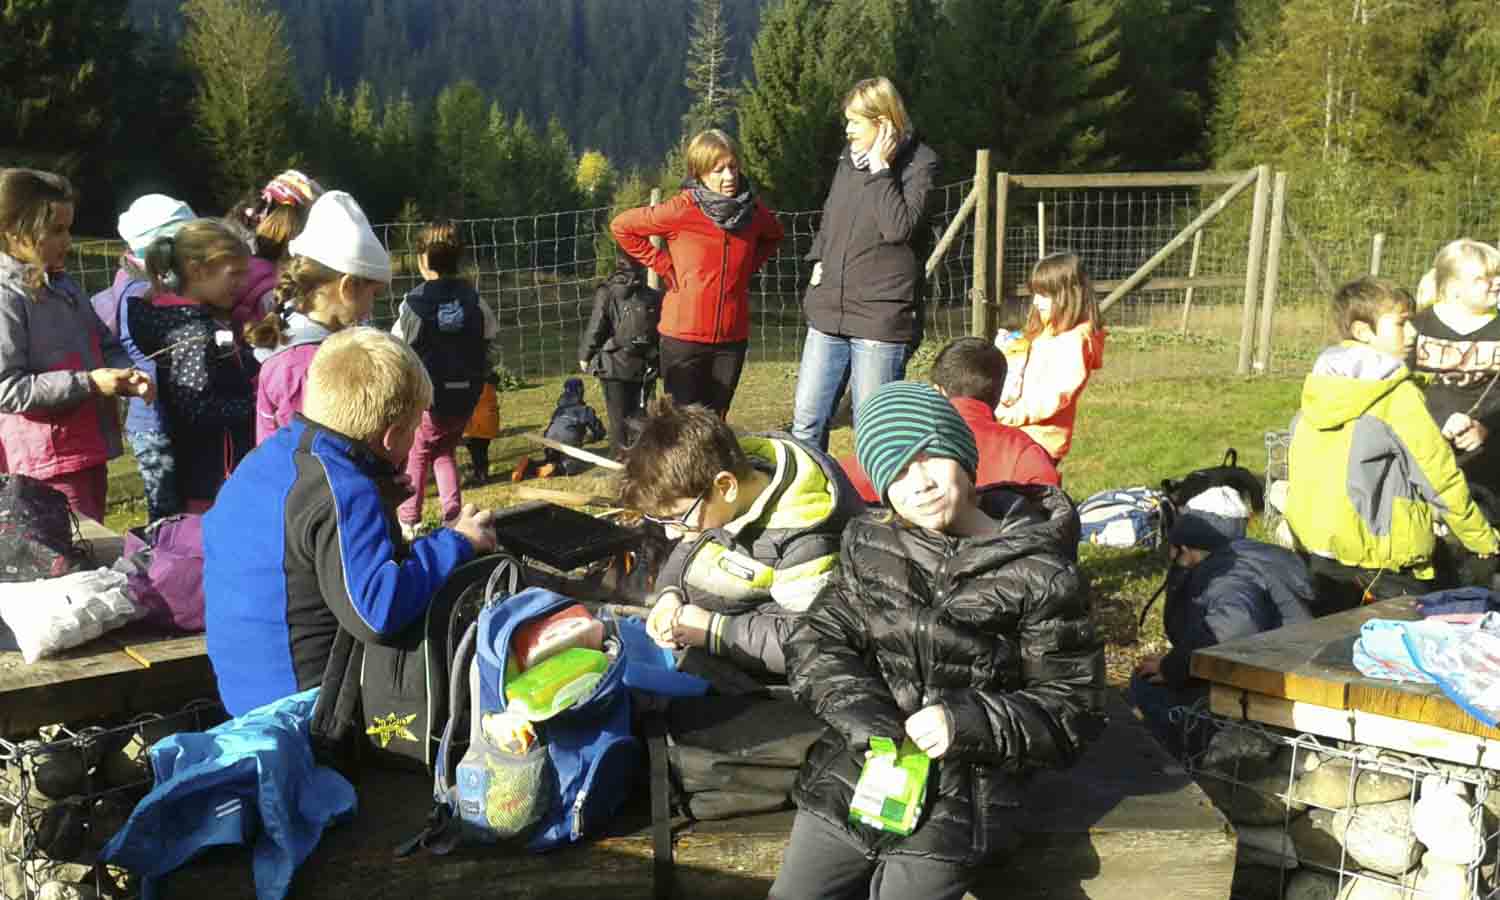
(1461, 256)
(199, 242)
(363, 381)
(296, 285)
(28, 205)
(877, 98)
(1427, 289)
(707, 150)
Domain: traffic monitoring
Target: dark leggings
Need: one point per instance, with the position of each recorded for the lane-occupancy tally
(479, 455)
(624, 400)
(702, 373)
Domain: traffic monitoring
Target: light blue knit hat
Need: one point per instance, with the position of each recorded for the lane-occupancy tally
(152, 216)
(902, 419)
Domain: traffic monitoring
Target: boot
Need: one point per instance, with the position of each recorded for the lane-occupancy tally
(519, 472)
(546, 470)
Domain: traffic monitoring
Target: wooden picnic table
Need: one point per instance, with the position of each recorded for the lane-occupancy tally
(1303, 677)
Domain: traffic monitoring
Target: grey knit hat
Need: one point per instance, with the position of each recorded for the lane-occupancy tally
(902, 419)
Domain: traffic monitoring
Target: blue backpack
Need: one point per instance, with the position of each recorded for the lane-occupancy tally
(586, 760)
(1129, 517)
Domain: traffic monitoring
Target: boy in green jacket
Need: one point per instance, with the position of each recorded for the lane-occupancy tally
(1369, 470)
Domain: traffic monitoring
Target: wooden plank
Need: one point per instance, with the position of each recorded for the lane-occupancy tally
(105, 545)
(1127, 179)
(979, 300)
(1311, 663)
(950, 234)
(588, 456)
(1253, 264)
(1427, 740)
(1241, 705)
(1271, 278)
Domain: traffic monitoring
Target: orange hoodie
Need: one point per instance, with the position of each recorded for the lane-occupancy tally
(1043, 382)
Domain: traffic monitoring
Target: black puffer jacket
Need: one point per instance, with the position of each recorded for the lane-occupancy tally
(995, 628)
(600, 347)
(873, 242)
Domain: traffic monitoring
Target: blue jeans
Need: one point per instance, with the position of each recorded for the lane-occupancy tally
(829, 364)
(158, 468)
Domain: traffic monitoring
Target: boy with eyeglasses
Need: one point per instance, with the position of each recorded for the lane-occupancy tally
(758, 519)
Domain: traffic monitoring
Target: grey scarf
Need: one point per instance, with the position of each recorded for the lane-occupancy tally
(729, 213)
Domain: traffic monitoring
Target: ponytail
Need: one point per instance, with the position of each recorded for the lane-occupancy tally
(198, 242)
(161, 264)
(300, 279)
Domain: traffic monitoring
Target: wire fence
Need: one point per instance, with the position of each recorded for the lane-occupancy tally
(539, 271)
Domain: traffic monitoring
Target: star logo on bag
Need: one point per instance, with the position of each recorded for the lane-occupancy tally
(389, 727)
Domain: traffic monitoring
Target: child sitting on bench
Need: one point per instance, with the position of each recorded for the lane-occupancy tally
(304, 538)
(757, 519)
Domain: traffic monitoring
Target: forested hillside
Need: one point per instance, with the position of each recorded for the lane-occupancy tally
(611, 71)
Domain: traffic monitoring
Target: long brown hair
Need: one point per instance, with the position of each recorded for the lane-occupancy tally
(300, 279)
(1061, 278)
(198, 242)
(28, 206)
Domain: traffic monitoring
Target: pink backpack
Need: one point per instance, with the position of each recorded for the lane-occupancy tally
(165, 573)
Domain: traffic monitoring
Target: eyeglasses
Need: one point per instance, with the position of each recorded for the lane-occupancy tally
(679, 522)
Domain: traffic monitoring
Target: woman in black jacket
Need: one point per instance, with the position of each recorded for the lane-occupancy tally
(864, 305)
(961, 623)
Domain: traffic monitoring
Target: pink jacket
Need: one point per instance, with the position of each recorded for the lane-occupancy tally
(257, 295)
(1044, 380)
(278, 395)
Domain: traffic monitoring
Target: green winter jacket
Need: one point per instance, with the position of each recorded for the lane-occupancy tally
(1370, 471)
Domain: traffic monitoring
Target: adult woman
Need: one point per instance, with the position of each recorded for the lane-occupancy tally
(864, 307)
(717, 235)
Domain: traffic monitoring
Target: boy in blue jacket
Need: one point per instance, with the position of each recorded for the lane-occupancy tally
(303, 537)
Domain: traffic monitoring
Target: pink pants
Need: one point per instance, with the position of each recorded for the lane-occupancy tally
(437, 437)
(86, 490)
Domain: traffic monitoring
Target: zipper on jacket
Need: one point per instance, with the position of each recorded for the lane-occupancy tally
(723, 268)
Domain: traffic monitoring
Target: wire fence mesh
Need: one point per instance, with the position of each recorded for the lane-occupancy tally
(539, 271)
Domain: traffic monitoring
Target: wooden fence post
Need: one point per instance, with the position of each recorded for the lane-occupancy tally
(979, 298)
(653, 280)
(1377, 250)
(1002, 198)
(1273, 273)
(1187, 296)
(1252, 267)
(1041, 229)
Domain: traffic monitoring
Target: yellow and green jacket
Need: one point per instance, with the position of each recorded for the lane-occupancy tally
(1369, 469)
(758, 572)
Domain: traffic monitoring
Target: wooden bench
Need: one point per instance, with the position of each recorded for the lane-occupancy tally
(1125, 822)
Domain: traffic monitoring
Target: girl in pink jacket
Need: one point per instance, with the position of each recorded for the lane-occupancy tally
(1050, 360)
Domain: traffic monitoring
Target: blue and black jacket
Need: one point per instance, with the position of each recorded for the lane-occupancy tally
(303, 539)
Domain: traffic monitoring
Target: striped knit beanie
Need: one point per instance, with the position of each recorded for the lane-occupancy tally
(902, 419)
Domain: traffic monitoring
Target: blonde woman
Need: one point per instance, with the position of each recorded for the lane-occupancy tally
(1458, 346)
(864, 304)
(718, 234)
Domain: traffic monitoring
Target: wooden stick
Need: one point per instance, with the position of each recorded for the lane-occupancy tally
(602, 462)
(563, 498)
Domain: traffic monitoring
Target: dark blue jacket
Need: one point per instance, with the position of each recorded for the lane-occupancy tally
(1243, 588)
(302, 539)
(574, 422)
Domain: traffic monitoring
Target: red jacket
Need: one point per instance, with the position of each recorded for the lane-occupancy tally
(1006, 454)
(706, 270)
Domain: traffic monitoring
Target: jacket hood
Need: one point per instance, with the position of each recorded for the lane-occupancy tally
(301, 331)
(572, 392)
(1346, 380)
(1034, 518)
(431, 294)
(806, 486)
(261, 276)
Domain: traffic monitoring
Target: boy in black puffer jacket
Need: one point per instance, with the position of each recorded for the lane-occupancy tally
(961, 623)
(621, 347)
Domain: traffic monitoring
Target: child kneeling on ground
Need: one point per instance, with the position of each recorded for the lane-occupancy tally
(757, 520)
(304, 537)
(1368, 531)
(961, 622)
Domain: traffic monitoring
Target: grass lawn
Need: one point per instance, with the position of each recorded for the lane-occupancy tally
(1130, 432)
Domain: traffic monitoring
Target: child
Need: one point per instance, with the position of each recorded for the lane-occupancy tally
(574, 423)
(337, 269)
(1050, 363)
(1458, 346)
(444, 322)
(148, 218)
(620, 346)
(207, 376)
(1369, 471)
(759, 519)
(59, 367)
(278, 216)
(970, 372)
(1221, 586)
(304, 537)
(960, 621)
(483, 427)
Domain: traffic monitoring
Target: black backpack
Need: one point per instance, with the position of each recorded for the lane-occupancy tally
(37, 529)
(1227, 474)
(389, 701)
(637, 318)
(451, 346)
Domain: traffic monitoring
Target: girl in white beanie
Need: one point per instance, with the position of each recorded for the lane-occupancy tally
(336, 270)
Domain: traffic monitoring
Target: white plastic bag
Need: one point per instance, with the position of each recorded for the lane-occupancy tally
(56, 613)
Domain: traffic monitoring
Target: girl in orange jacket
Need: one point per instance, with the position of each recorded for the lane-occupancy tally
(718, 234)
(1051, 360)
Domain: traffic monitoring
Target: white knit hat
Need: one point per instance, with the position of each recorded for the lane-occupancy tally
(152, 216)
(339, 236)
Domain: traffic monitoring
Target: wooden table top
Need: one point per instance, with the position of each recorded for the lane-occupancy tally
(1313, 663)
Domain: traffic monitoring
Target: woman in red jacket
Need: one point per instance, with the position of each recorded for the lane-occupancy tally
(717, 235)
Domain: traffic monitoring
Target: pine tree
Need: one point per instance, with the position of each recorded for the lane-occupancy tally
(1468, 92)
(246, 90)
(465, 153)
(708, 68)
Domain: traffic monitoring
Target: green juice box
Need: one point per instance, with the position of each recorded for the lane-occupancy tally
(892, 786)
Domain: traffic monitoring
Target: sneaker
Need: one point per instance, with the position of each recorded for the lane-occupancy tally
(546, 470)
(409, 530)
(519, 472)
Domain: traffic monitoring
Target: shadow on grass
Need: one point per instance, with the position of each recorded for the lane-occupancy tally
(1121, 582)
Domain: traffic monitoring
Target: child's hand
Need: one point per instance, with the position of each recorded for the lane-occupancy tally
(1149, 668)
(118, 382)
(1464, 432)
(142, 386)
(661, 624)
(476, 525)
(931, 729)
